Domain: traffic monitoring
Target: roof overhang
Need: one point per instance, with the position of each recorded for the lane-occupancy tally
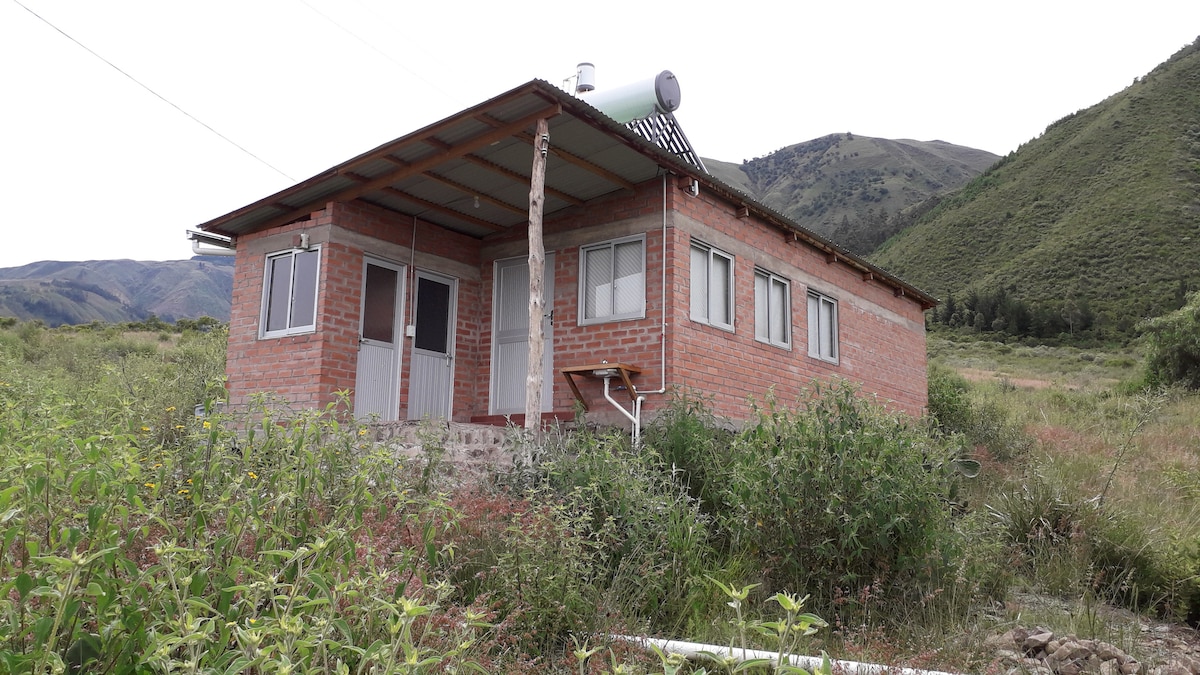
(470, 173)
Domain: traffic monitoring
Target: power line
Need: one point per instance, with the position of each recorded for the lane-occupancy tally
(155, 93)
(377, 50)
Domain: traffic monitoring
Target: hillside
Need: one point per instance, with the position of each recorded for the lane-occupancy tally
(1098, 218)
(854, 189)
(117, 290)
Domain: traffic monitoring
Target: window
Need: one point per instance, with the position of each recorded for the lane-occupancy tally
(614, 280)
(822, 327)
(290, 293)
(712, 286)
(772, 311)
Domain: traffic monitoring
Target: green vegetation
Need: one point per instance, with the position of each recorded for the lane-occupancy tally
(117, 290)
(856, 190)
(1093, 224)
(136, 537)
(1173, 343)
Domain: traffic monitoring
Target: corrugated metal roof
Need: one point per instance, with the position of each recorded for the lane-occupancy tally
(470, 172)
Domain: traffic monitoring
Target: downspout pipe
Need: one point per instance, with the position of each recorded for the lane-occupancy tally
(662, 389)
(695, 651)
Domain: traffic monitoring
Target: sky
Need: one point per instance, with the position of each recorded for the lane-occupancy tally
(124, 123)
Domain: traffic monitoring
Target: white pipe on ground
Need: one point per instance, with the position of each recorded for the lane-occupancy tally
(692, 650)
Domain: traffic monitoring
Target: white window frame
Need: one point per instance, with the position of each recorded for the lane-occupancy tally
(703, 302)
(290, 325)
(614, 285)
(766, 315)
(823, 325)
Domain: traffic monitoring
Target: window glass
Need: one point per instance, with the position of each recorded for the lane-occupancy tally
(279, 284)
(772, 314)
(614, 280)
(822, 327)
(379, 304)
(433, 316)
(304, 290)
(290, 293)
(712, 286)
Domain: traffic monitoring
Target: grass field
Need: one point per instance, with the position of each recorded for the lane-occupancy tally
(136, 537)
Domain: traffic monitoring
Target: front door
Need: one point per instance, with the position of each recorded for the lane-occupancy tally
(510, 337)
(377, 384)
(431, 369)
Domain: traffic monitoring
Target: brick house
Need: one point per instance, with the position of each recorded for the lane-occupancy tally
(402, 276)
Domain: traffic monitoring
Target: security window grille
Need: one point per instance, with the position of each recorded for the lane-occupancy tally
(290, 293)
(772, 311)
(614, 281)
(712, 286)
(822, 327)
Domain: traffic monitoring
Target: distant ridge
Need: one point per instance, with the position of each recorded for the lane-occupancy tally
(116, 291)
(1101, 211)
(856, 190)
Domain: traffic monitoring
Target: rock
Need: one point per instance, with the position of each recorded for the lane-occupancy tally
(1108, 652)
(1037, 642)
(1002, 641)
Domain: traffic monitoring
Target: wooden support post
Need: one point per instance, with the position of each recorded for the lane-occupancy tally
(537, 267)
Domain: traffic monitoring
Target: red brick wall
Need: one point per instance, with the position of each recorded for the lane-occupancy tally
(881, 336)
(307, 370)
(882, 339)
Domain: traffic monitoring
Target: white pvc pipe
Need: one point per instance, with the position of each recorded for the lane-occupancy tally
(211, 251)
(692, 650)
(635, 416)
(662, 338)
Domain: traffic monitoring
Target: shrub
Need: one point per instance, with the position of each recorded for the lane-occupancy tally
(982, 423)
(842, 499)
(1075, 545)
(1173, 346)
(651, 536)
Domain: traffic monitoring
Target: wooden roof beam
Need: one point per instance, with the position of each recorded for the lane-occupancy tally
(465, 189)
(425, 164)
(521, 179)
(475, 193)
(430, 206)
(582, 163)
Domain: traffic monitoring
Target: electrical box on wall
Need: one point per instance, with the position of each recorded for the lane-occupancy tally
(410, 331)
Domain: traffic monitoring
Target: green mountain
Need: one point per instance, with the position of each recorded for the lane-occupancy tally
(116, 291)
(1096, 221)
(857, 190)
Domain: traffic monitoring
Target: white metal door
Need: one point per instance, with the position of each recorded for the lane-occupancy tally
(431, 367)
(510, 336)
(377, 383)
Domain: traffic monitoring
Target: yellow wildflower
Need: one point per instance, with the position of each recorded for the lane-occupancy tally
(145, 428)
(189, 481)
(252, 475)
(207, 424)
(362, 432)
(149, 485)
(171, 409)
(181, 492)
(158, 465)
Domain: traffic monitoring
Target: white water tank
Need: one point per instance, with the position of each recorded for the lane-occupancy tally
(659, 94)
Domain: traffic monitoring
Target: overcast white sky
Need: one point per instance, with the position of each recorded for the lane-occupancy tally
(94, 166)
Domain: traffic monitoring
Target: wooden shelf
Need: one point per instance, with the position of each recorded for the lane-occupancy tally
(623, 371)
